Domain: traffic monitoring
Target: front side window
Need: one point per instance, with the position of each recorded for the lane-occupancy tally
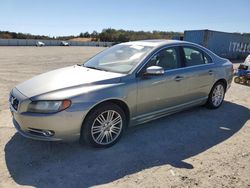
(167, 59)
(120, 58)
(195, 57)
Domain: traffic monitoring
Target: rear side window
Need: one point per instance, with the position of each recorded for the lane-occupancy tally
(207, 59)
(194, 57)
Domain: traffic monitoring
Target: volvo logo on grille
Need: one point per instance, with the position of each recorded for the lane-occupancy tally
(14, 102)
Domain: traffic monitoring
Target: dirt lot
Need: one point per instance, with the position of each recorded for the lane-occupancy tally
(195, 148)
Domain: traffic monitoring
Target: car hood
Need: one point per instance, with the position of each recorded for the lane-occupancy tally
(66, 78)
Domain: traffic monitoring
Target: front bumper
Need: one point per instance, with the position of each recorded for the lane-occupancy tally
(65, 125)
(32, 136)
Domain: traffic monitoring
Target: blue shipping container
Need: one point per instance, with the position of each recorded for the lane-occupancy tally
(228, 45)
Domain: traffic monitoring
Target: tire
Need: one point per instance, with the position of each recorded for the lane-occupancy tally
(216, 96)
(237, 80)
(97, 131)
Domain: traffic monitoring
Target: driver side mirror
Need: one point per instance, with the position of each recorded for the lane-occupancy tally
(154, 70)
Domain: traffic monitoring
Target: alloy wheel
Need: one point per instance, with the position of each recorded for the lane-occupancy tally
(106, 127)
(218, 95)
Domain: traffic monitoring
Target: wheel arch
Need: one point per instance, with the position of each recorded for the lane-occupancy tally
(123, 105)
(222, 80)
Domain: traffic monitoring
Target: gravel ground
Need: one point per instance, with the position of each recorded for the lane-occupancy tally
(194, 148)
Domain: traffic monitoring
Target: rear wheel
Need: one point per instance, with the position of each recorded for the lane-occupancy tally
(244, 80)
(216, 95)
(104, 126)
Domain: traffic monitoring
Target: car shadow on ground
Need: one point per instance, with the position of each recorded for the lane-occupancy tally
(169, 140)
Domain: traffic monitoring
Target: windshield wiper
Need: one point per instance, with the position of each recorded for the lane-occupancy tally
(96, 68)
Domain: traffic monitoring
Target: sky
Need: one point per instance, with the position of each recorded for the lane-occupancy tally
(71, 17)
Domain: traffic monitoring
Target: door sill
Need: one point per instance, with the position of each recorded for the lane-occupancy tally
(165, 112)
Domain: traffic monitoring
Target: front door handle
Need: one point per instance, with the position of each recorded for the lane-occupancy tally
(178, 78)
(210, 72)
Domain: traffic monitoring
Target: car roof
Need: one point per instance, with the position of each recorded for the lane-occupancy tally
(155, 42)
(158, 43)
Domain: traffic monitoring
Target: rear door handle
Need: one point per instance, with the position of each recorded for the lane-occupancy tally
(210, 72)
(178, 78)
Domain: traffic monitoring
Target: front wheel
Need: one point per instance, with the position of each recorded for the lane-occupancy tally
(216, 95)
(237, 79)
(104, 126)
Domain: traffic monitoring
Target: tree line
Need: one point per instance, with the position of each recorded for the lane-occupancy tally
(113, 35)
(106, 35)
(14, 35)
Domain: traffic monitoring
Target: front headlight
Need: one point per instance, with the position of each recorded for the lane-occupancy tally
(48, 106)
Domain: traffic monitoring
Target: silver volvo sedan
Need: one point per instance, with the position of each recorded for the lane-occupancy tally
(127, 84)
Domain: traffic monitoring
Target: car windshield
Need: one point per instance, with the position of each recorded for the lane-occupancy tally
(120, 58)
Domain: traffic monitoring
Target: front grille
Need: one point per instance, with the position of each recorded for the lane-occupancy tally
(14, 102)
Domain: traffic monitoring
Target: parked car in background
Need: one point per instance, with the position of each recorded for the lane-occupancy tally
(247, 60)
(127, 84)
(64, 43)
(243, 74)
(40, 44)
